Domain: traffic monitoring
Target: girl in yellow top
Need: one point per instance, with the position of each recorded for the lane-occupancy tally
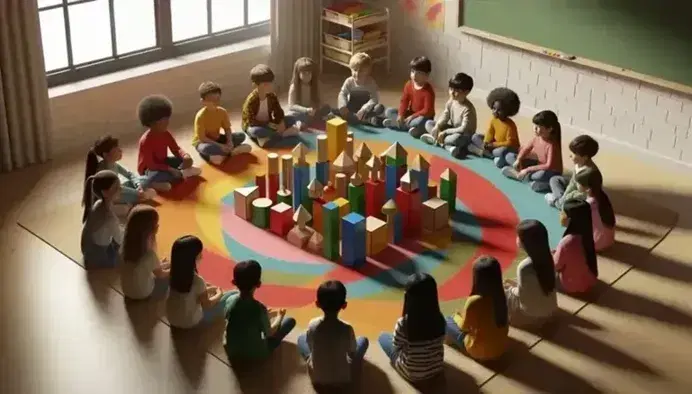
(482, 328)
(502, 136)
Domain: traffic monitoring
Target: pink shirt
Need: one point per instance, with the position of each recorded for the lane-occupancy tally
(603, 236)
(548, 154)
(570, 263)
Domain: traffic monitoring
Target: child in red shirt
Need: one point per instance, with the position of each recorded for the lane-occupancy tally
(417, 104)
(158, 169)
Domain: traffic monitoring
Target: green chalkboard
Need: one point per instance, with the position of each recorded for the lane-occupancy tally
(652, 37)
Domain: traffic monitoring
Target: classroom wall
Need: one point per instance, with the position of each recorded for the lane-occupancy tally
(629, 112)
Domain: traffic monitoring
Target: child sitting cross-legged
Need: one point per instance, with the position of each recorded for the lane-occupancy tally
(263, 118)
(590, 182)
(575, 256)
(249, 333)
(101, 232)
(210, 119)
(562, 188)
(158, 169)
(502, 136)
(417, 104)
(330, 345)
(304, 98)
(359, 99)
(453, 130)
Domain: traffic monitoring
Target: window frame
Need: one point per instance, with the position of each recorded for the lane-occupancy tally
(164, 49)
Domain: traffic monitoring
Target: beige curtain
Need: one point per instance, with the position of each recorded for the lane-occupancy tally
(24, 108)
(295, 29)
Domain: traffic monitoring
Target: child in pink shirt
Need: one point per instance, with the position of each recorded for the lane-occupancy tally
(590, 182)
(575, 256)
(541, 158)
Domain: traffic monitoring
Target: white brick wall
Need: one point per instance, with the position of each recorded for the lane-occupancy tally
(614, 108)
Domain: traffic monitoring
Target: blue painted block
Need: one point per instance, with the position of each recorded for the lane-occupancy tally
(322, 172)
(301, 179)
(421, 178)
(353, 240)
(391, 180)
(398, 233)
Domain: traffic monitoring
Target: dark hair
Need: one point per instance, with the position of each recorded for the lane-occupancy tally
(207, 88)
(422, 317)
(534, 239)
(247, 275)
(261, 73)
(421, 64)
(549, 119)
(95, 185)
(184, 262)
(331, 296)
(101, 147)
(579, 214)
(508, 99)
(584, 145)
(142, 222)
(154, 108)
(461, 81)
(487, 282)
(592, 179)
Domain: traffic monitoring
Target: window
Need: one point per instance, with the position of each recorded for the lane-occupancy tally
(86, 38)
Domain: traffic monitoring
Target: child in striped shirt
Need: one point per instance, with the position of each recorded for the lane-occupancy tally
(416, 349)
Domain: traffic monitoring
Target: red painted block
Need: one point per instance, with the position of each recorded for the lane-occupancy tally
(281, 219)
(272, 186)
(409, 207)
(261, 182)
(374, 198)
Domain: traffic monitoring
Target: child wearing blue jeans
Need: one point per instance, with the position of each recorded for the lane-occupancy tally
(359, 99)
(417, 105)
(249, 333)
(330, 345)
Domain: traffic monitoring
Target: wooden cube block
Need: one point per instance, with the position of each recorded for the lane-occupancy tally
(242, 201)
(315, 243)
(344, 207)
(281, 219)
(435, 214)
(375, 235)
(300, 237)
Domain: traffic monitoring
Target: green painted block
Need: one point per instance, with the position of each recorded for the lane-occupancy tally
(285, 197)
(395, 161)
(356, 197)
(448, 192)
(330, 231)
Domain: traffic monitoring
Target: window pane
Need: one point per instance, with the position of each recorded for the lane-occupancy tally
(90, 31)
(135, 25)
(53, 39)
(189, 19)
(48, 3)
(258, 11)
(227, 14)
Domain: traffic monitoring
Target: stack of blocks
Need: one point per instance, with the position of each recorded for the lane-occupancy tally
(376, 236)
(353, 235)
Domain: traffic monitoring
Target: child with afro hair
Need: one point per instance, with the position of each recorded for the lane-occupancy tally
(158, 169)
(502, 136)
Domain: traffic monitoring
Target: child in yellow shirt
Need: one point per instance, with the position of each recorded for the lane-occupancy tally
(209, 121)
(502, 136)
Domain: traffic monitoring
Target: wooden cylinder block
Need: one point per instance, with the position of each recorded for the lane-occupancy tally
(349, 146)
(341, 181)
(322, 152)
(272, 163)
(287, 172)
(261, 208)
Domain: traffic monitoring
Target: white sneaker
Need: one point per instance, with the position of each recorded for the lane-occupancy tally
(290, 132)
(389, 123)
(217, 160)
(240, 149)
(428, 139)
(550, 199)
(473, 149)
(511, 173)
(263, 141)
(149, 194)
(190, 172)
(453, 150)
(161, 186)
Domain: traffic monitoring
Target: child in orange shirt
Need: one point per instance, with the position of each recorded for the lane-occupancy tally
(502, 136)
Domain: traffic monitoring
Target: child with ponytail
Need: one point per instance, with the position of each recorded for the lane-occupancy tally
(590, 182)
(104, 155)
(575, 255)
(101, 232)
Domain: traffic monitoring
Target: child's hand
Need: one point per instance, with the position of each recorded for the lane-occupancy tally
(187, 161)
(408, 119)
(311, 111)
(441, 137)
(344, 112)
(523, 174)
(400, 120)
(517, 165)
(489, 146)
(175, 172)
(282, 313)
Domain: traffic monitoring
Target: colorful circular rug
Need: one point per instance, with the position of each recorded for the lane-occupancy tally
(489, 206)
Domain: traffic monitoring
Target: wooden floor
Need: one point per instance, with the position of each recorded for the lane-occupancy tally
(65, 331)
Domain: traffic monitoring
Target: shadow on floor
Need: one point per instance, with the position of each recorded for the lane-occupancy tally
(270, 375)
(191, 348)
(624, 200)
(101, 282)
(144, 315)
(651, 262)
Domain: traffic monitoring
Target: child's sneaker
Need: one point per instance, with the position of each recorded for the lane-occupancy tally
(190, 172)
(376, 121)
(262, 141)
(511, 173)
(428, 139)
(301, 126)
(149, 194)
(162, 186)
(474, 150)
(550, 199)
(453, 150)
(497, 162)
(240, 149)
(217, 160)
(389, 123)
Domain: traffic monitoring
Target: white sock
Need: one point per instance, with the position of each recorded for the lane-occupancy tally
(190, 172)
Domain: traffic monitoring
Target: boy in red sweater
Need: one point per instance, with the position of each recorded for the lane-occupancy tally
(417, 104)
(159, 170)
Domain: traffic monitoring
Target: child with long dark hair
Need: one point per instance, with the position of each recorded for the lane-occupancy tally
(105, 155)
(142, 274)
(191, 301)
(541, 158)
(575, 255)
(304, 96)
(416, 349)
(101, 232)
(482, 328)
(531, 298)
(590, 182)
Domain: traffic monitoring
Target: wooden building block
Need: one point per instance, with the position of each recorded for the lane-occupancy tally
(349, 146)
(260, 212)
(242, 201)
(272, 186)
(375, 235)
(361, 157)
(287, 172)
(434, 214)
(336, 137)
(261, 183)
(299, 237)
(409, 205)
(315, 244)
(317, 215)
(285, 196)
(432, 190)
(438, 239)
(448, 189)
(420, 173)
(330, 227)
(374, 198)
(356, 197)
(353, 244)
(341, 184)
(344, 206)
(408, 183)
(396, 155)
(299, 153)
(301, 178)
(394, 227)
(281, 219)
(322, 149)
(272, 163)
(322, 172)
(374, 166)
(343, 163)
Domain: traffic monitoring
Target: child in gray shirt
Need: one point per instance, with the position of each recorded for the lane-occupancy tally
(359, 100)
(454, 129)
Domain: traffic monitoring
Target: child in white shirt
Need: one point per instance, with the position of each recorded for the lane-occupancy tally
(101, 232)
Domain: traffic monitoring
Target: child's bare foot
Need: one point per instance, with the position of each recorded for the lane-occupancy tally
(161, 186)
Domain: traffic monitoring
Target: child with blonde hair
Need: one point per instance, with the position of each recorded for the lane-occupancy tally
(101, 232)
(304, 99)
(359, 99)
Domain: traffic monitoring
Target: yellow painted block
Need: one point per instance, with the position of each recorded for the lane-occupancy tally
(344, 207)
(337, 129)
(375, 235)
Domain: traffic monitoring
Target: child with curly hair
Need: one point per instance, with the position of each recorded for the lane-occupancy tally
(417, 105)
(210, 119)
(541, 158)
(304, 98)
(502, 136)
(158, 169)
(563, 188)
(359, 99)
(263, 118)
(453, 130)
